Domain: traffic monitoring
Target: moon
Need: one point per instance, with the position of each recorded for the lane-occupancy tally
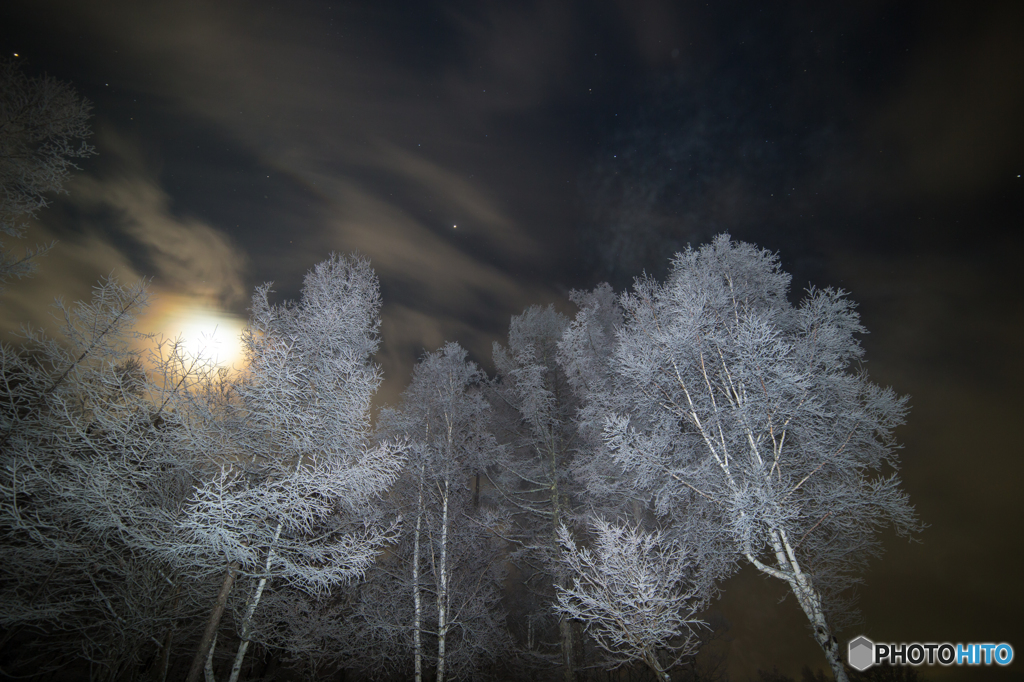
(204, 332)
(212, 335)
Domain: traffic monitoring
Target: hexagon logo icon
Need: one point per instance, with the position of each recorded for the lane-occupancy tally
(861, 653)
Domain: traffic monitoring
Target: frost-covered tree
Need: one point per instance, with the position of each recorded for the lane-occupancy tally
(634, 594)
(442, 585)
(43, 127)
(86, 472)
(128, 486)
(291, 479)
(753, 427)
(585, 354)
(534, 406)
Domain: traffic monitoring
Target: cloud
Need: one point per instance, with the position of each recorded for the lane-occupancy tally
(342, 119)
(188, 255)
(456, 194)
(187, 260)
(67, 271)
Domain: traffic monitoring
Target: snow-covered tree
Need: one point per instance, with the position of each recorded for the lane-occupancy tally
(86, 471)
(633, 593)
(43, 127)
(534, 406)
(442, 583)
(585, 353)
(752, 425)
(290, 482)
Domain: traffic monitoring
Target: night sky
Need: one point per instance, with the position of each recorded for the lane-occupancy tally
(488, 156)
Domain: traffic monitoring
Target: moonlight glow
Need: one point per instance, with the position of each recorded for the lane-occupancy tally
(210, 334)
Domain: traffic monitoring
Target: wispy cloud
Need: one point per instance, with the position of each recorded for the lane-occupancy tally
(189, 262)
(184, 254)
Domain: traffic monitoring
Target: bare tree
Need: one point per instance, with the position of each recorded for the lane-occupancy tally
(633, 593)
(753, 427)
(43, 126)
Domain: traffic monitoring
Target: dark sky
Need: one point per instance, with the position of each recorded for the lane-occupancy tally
(877, 146)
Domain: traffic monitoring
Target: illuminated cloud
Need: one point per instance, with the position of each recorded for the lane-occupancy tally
(68, 271)
(196, 271)
(185, 254)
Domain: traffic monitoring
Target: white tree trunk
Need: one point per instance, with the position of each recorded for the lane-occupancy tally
(417, 635)
(208, 668)
(810, 602)
(442, 592)
(651, 659)
(254, 601)
(806, 595)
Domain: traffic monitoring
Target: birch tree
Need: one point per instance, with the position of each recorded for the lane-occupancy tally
(585, 354)
(634, 593)
(448, 562)
(290, 485)
(753, 426)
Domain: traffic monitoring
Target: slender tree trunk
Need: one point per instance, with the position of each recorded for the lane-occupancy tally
(651, 659)
(564, 626)
(565, 630)
(164, 659)
(810, 602)
(442, 592)
(243, 646)
(208, 668)
(417, 635)
(206, 643)
(165, 655)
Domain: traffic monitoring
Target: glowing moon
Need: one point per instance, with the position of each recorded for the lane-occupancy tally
(212, 335)
(205, 333)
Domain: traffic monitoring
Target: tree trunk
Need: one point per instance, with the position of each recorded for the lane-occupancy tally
(165, 656)
(208, 668)
(206, 643)
(243, 646)
(568, 658)
(564, 626)
(810, 602)
(442, 592)
(651, 659)
(164, 659)
(417, 635)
